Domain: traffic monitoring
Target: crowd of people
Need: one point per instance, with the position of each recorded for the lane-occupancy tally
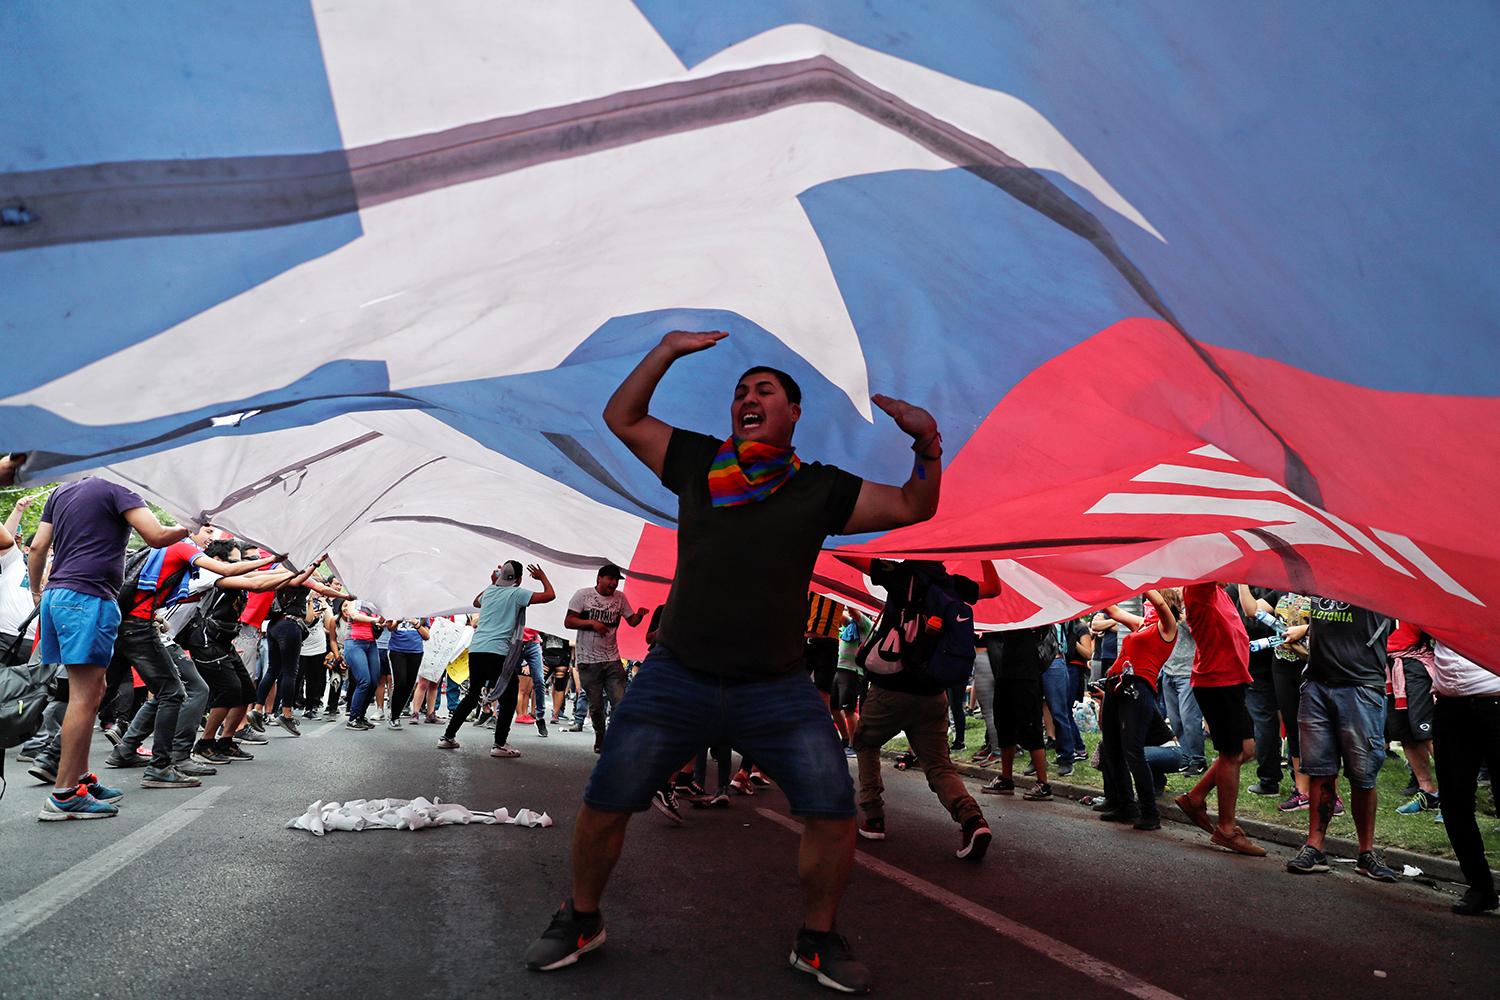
(202, 643)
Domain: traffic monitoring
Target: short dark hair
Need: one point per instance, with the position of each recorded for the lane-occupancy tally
(220, 548)
(788, 384)
(610, 570)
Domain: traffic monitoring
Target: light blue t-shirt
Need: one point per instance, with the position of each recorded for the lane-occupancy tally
(497, 618)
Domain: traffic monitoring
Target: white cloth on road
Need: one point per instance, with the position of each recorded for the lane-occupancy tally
(404, 814)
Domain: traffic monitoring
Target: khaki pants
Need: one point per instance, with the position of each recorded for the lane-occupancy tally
(924, 719)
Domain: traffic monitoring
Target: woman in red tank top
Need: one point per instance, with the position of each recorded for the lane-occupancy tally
(1130, 705)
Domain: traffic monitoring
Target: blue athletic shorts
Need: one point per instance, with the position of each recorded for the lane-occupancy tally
(1341, 723)
(78, 629)
(669, 713)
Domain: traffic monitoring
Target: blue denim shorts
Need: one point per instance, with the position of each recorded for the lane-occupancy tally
(78, 629)
(669, 713)
(1341, 723)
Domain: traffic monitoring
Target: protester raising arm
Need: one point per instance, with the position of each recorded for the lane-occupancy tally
(13, 522)
(546, 593)
(881, 507)
(1166, 619)
(627, 414)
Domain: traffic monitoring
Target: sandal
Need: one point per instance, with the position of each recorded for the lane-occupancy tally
(505, 751)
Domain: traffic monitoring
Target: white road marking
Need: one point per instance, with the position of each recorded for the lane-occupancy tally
(35, 907)
(327, 727)
(1028, 937)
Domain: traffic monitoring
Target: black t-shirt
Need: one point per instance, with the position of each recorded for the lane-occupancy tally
(1341, 651)
(1261, 661)
(291, 602)
(738, 606)
(1076, 630)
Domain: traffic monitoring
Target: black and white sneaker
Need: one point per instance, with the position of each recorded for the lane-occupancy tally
(1308, 861)
(665, 802)
(827, 956)
(976, 840)
(205, 752)
(1372, 866)
(229, 751)
(566, 938)
(999, 786)
(393, 723)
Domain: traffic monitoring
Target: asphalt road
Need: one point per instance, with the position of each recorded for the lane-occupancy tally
(204, 893)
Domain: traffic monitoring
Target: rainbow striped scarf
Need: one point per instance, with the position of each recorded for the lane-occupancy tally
(749, 472)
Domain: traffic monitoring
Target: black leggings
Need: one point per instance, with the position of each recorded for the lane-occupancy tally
(1286, 677)
(404, 679)
(284, 644)
(484, 669)
(958, 697)
(314, 680)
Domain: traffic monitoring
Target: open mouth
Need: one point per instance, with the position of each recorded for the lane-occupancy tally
(749, 421)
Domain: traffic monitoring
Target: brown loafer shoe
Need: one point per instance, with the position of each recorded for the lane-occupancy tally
(1198, 814)
(1238, 843)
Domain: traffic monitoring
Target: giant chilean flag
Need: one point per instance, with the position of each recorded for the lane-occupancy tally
(1195, 291)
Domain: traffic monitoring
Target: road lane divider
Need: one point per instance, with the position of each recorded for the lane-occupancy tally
(33, 908)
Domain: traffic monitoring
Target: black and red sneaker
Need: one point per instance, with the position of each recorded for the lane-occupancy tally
(828, 957)
(976, 840)
(565, 939)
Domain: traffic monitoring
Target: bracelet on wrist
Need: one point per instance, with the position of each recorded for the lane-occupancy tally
(923, 449)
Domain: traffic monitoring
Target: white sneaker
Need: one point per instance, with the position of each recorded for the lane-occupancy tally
(380, 715)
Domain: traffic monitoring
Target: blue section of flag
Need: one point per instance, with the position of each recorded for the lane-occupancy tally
(1323, 173)
(97, 83)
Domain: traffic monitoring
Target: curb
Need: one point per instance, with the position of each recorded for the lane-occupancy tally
(1439, 869)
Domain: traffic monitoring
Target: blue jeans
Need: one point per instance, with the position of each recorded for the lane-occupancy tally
(1057, 688)
(364, 672)
(531, 658)
(670, 712)
(1342, 723)
(1260, 702)
(1163, 761)
(1186, 718)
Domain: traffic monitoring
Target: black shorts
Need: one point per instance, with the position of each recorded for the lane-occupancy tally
(1229, 724)
(1413, 723)
(561, 674)
(848, 686)
(822, 660)
(1018, 713)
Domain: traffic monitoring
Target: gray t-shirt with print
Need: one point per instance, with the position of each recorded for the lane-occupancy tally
(592, 646)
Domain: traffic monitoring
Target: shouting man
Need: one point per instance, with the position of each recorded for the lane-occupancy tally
(752, 517)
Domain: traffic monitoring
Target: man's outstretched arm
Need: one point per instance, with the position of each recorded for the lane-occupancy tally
(881, 507)
(627, 413)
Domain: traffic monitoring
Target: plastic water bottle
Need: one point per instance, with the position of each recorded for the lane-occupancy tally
(1270, 621)
(1269, 642)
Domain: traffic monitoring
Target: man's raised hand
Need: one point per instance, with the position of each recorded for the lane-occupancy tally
(681, 342)
(912, 419)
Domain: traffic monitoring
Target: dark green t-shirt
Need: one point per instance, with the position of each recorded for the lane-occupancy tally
(738, 606)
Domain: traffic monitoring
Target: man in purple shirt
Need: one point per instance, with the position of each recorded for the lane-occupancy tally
(86, 525)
